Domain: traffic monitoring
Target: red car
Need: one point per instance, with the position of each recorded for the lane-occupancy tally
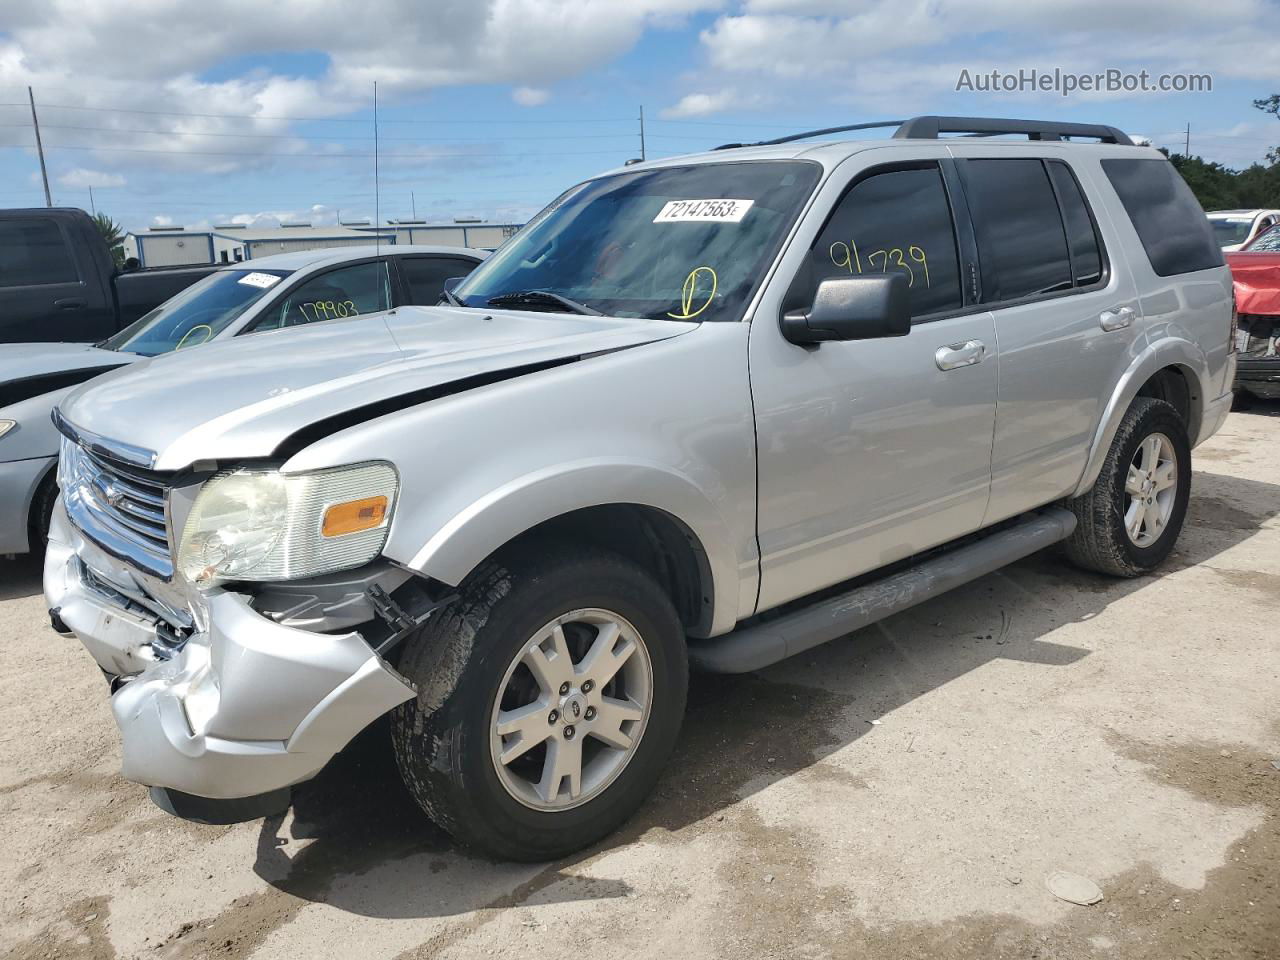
(1255, 268)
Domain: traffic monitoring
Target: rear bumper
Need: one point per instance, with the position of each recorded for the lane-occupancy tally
(1259, 377)
(18, 482)
(245, 707)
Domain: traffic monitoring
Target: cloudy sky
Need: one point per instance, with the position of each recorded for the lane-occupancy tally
(209, 112)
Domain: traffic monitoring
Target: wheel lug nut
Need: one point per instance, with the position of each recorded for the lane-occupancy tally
(587, 686)
(564, 688)
(553, 716)
(590, 714)
(568, 733)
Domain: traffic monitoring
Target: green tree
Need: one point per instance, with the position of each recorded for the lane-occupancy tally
(1271, 105)
(112, 235)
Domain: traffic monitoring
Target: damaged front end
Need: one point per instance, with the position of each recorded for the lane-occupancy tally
(228, 691)
(1258, 355)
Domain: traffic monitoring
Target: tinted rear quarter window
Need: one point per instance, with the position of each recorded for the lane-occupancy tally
(33, 253)
(1082, 235)
(1021, 242)
(1169, 220)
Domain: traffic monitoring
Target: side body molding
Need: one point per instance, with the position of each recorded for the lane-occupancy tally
(1166, 352)
(490, 521)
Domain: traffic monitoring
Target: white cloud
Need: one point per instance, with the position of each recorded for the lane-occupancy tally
(80, 177)
(700, 104)
(718, 101)
(155, 55)
(530, 96)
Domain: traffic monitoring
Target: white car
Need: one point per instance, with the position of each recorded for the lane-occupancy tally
(285, 290)
(1234, 228)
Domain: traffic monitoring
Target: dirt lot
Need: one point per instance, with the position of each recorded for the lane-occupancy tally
(903, 792)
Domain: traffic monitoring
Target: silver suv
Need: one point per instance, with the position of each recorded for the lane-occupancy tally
(709, 410)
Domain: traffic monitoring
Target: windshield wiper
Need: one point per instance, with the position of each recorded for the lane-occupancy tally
(453, 300)
(543, 297)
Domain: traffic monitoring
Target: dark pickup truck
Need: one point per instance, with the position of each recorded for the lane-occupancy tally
(58, 281)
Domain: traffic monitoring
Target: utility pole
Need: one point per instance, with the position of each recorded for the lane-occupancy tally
(1186, 150)
(92, 209)
(642, 157)
(44, 174)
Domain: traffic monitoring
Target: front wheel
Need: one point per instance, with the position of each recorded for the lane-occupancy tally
(1129, 521)
(550, 697)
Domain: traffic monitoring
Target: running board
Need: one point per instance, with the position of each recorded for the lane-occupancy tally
(759, 645)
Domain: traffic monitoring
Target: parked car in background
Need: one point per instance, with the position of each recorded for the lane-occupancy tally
(1234, 228)
(1255, 271)
(59, 283)
(715, 409)
(286, 290)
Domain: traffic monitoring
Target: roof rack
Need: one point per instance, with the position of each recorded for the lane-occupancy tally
(931, 128)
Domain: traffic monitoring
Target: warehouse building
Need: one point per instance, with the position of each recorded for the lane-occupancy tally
(459, 233)
(233, 242)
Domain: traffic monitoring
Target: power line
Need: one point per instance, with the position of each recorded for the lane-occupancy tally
(335, 156)
(312, 136)
(257, 116)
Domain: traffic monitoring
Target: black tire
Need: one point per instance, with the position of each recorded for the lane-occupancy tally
(459, 660)
(1100, 541)
(41, 515)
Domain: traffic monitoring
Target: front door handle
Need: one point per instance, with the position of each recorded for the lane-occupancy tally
(1116, 319)
(960, 354)
(71, 303)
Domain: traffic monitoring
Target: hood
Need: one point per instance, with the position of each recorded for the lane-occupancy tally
(243, 397)
(30, 369)
(1257, 281)
(21, 360)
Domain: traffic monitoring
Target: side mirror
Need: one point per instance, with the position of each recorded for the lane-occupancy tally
(852, 308)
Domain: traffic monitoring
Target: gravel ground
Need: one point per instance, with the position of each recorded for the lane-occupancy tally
(902, 792)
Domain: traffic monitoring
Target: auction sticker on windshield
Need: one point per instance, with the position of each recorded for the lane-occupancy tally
(262, 280)
(703, 211)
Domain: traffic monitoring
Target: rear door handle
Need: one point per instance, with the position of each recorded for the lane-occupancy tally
(1116, 319)
(71, 303)
(960, 354)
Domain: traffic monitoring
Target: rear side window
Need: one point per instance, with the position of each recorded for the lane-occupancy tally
(1169, 220)
(898, 221)
(425, 276)
(1021, 241)
(1082, 235)
(33, 253)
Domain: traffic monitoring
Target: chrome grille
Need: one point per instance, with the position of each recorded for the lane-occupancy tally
(119, 506)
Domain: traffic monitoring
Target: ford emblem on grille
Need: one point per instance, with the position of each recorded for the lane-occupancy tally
(114, 496)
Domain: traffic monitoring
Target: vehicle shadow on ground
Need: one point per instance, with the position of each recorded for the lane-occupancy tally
(1257, 407)
(371, 851)
(20, 577)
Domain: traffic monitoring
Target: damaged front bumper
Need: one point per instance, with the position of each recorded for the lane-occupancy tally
(237, 705)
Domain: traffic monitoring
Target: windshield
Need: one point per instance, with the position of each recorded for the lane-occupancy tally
(1267, 242)
(682, 243)
(1230, 230)
(197, 314)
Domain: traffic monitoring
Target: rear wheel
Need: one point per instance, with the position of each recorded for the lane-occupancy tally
(550, 697)
(1128, 523)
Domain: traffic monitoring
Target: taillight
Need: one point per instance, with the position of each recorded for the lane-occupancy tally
(1234, 339)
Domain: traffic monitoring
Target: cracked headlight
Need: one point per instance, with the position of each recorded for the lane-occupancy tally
(265, 525)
